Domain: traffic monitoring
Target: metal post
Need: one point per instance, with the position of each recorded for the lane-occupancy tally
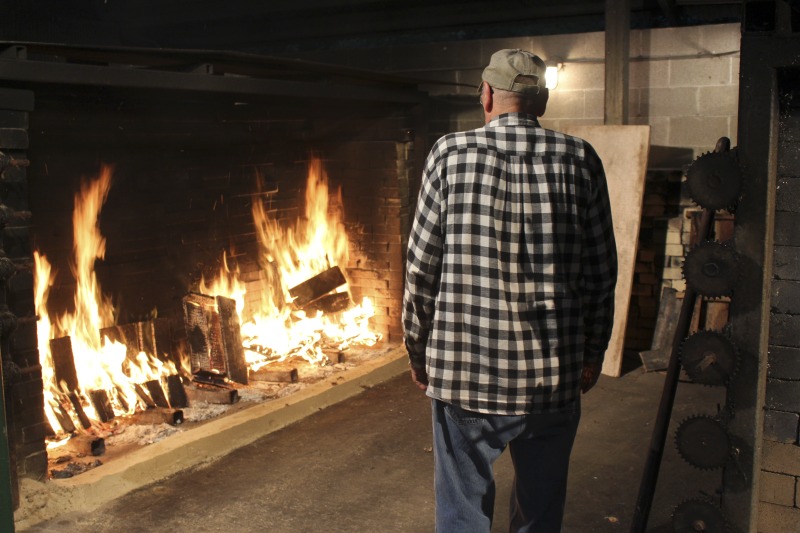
(6, 502)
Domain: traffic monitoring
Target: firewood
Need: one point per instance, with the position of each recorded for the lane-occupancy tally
(75, 399)
(144, 395)
(317, 286)
(177, 396)
(230, 327)
(275, 372)
(102, 405)
(211, 395)
(64, 363)
(64, 420)
(330, 303)
(156, 392)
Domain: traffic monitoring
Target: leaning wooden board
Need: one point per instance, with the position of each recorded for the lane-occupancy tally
(623, 150)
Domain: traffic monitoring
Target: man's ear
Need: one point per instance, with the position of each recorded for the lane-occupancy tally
(487, 97)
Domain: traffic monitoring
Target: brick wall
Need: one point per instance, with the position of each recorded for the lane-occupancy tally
(24, 397)
(779, 509)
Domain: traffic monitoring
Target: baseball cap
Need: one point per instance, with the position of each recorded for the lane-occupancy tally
(515, 70)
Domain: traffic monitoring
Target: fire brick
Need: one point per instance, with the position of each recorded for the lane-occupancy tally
(786, 263)
(784, 330)
(780, 457)
(781, 426)
(783, 395)
(777, 488)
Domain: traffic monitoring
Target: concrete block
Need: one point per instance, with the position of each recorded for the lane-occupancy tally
(703, 71)
(788, 193)
(669, 102)
(701, 133)
(785, 228)
(777, 518)
(783, 395)
(784, 330)
(595, 102)
(781, 426)
(788, 160)
(659, 127)
(575, 76)
(781, 458)
(566, 104)
(721, 38)
(718, 100)
(673, 41)
(783, 362)
(785, 296)
(777, 488)
(649, 74)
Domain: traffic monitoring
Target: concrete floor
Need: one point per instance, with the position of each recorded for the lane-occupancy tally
(365, 465)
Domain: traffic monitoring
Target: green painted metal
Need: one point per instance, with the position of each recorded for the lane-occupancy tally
(6, 503)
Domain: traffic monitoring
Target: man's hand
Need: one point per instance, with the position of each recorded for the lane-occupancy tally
(590, 375)
(420, 377)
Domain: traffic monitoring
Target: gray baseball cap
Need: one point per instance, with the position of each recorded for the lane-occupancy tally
(515, 70)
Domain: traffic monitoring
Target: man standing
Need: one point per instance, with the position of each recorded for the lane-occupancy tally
(509, 300)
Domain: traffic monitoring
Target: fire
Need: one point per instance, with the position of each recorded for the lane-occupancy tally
(99, 363)
(272, 328)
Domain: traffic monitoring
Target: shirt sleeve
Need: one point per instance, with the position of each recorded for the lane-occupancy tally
(423, 264)
(599, 265)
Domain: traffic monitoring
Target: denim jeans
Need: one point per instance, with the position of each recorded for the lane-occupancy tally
(466, 444)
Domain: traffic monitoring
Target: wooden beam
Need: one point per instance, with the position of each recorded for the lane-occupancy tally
(618, 29)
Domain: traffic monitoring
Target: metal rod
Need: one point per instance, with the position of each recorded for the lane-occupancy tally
(650, 476)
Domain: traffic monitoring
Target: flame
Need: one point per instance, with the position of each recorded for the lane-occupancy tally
(100, 364)
(273, 330)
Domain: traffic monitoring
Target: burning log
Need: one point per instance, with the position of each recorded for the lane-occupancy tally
(64, 420)
(77, 406)
(331, 303)
(145, 397)
(102, 405)
(64, 363)
(213, 332)
(274, 372)
(211, 378)
(158, 416)
(176, 392)
(318, 286)
(156, 392)
(218, 395)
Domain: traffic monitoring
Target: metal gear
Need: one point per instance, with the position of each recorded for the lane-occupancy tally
(698, 514)
(703, 442)
(714, 181)
(712, 268)
(709, 358)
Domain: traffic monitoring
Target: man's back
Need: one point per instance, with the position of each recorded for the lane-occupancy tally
(519, 222)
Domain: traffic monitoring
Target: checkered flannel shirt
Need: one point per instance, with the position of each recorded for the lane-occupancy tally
(511, 268)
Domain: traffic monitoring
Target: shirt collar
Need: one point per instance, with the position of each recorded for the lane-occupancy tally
(514, 119)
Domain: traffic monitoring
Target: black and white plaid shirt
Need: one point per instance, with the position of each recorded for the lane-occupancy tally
(511, 268)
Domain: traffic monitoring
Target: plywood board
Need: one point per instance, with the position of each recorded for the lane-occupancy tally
(623, 150)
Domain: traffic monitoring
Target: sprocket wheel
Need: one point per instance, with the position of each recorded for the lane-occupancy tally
(714, 181)
(709, 358)
(698, 514)
(712, 268)
(703, 442)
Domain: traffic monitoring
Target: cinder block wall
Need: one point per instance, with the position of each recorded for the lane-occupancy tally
(683, 83)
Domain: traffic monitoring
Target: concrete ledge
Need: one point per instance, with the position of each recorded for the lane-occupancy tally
(198, 446)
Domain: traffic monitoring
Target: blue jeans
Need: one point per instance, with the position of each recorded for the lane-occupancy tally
(466, 444)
